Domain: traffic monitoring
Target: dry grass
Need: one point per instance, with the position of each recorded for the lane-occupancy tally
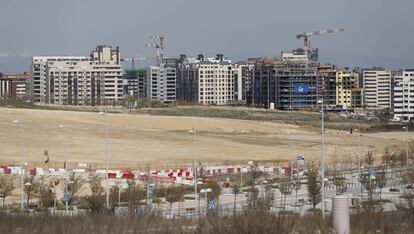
(165, 142)
(259, 222)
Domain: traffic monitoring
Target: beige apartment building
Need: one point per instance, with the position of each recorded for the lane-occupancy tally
(74, 80)
(377, 85)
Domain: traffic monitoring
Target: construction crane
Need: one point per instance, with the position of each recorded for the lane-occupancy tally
(306, 35)
(159, 47)
(134, 60)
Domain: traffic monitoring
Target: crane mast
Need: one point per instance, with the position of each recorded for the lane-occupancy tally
(159, 47)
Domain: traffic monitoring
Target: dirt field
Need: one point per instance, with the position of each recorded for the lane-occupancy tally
(165, 141)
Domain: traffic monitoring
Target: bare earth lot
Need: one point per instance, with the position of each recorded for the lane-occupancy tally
(165, 142)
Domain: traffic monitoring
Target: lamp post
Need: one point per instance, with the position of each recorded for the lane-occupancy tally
(193, 131)
(106, 157)
(406, 140)
(359, 153)
(16, 121)
(66, 163)
(322, 157)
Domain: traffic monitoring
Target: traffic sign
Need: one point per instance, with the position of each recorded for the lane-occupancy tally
(66, 197)
(211, 204)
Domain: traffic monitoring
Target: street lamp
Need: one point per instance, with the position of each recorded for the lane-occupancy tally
(106, 157)
(122, 186)
(322, 157)
(193, 131)
(359, 153)
(406, 140)
(16, 121)
(206, 191)
(66, 167)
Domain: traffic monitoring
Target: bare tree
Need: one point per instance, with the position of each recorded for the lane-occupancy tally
(95, 202)
(31, 187)
(381, 181)
(369, 158)
(285, 188)
(297, 185)
(403, 158)
(74, 185)
(134, 194)
(314, 187)
(236, 186)
(173, 194)
(370, 186)
(46, 196)
(408, 192)
(6, 186)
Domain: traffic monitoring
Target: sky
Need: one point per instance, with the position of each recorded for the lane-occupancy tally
(377, 32)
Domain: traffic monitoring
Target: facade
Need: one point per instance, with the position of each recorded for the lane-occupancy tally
(15, 86)
(217, 82)
(348, 93)
(135, 83)
(161, 83)
(377, 85)
(187, 82)
(404, 96)
(327, 85)
(73, 80)
(287, 84)
(211, 81)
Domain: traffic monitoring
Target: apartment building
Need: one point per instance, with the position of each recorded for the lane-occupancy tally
(212, 80)
(135, 83)
(348, 93)
(404, 95)
(78, 80)
(377, 85)
(161, 83)
(15, 86)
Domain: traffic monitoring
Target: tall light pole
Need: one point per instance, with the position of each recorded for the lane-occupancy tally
(322, 157)
(193, 131)
(66, 165)
(106, 158)
(406, 140)
(20, 122)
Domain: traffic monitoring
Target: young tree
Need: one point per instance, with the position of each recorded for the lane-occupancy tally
(297, 185)
(253, 192)
(285, 188)
(381, 181)
(268, 196)
(236, 186)
(340, 183)
(134, 194)
(408, 192)
(314, 187)
(31, 188)
(74, 185)
(370, 185)
(402, 158)
(173, 194)
(46, 196)
(6, 186)
(95, 202)
(369, 159)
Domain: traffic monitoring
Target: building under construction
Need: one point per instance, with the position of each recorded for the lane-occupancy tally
(285, 85)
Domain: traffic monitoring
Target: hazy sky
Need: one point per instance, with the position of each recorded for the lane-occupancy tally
(377, 32)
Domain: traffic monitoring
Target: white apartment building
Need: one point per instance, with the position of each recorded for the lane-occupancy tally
(219, 82)
(78, 80)
(377, 85)
(404, 96)
(161, 83)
